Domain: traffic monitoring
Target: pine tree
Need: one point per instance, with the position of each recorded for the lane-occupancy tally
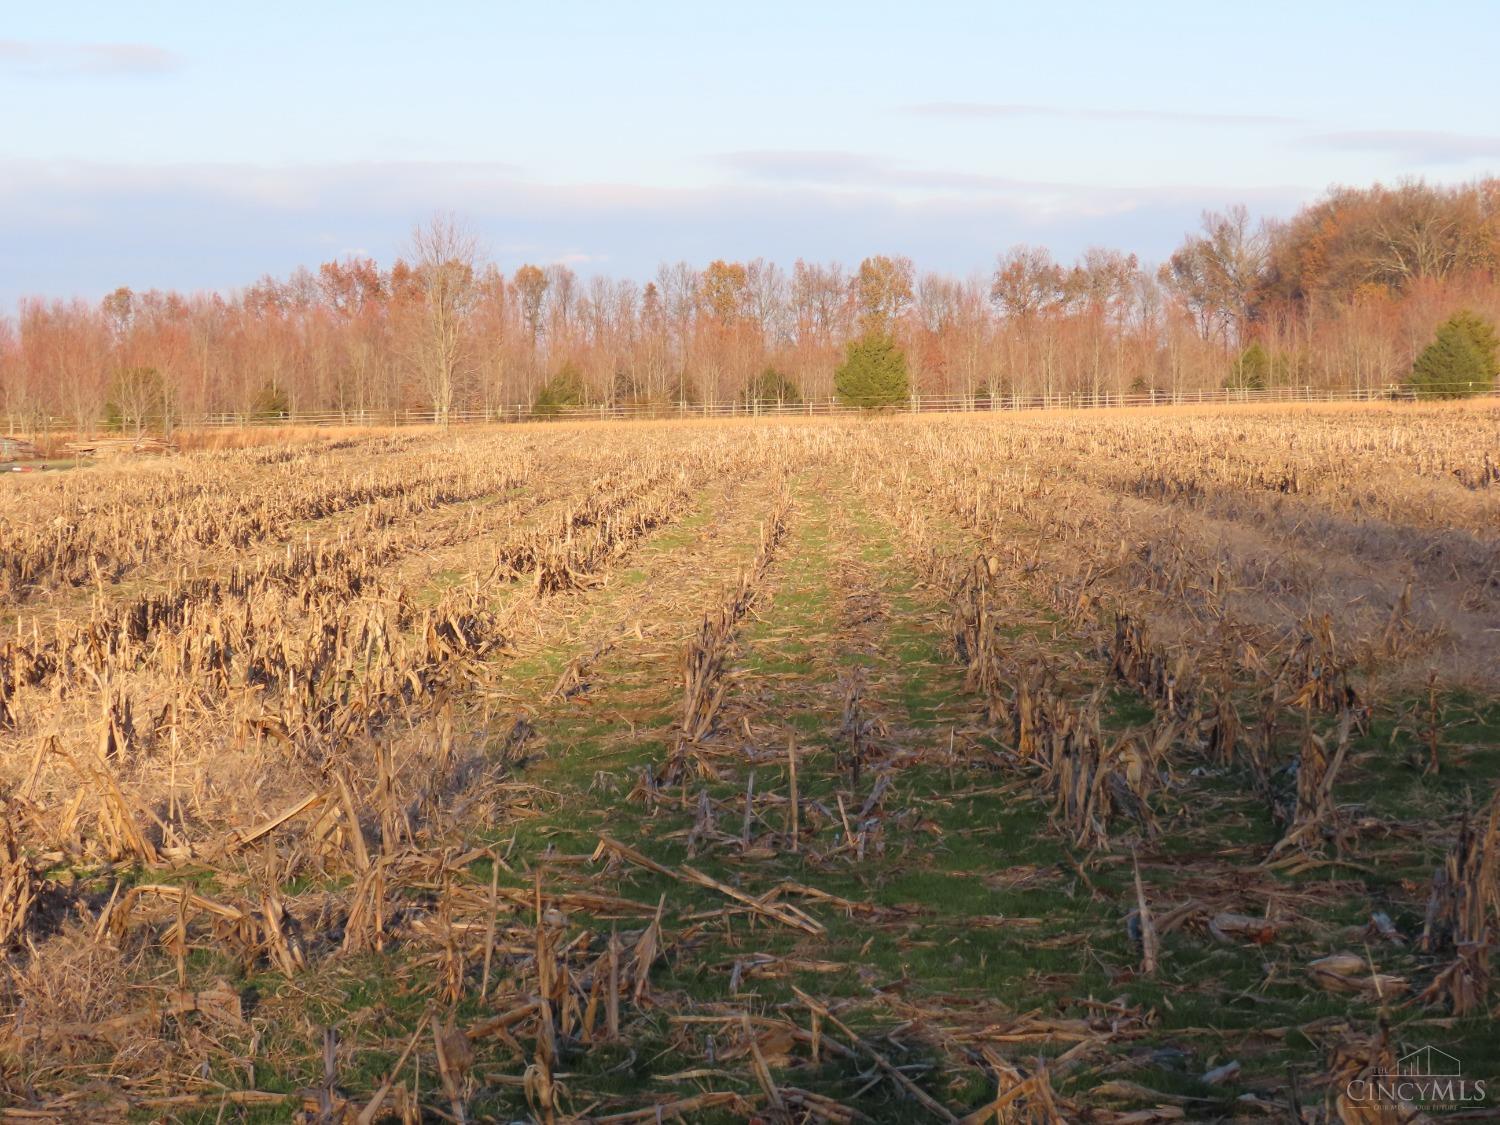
(1251, 370)
(1459, 362)
(772, 387)
(563, 391)
(1482, 333)
(873, 374)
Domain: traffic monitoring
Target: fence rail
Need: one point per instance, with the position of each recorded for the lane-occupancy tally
(917, 404)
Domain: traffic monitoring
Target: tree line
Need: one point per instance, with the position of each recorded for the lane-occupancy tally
(1349, 292)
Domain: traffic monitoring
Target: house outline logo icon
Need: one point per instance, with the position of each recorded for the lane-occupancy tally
(1427, 1062)
(1426, 1076)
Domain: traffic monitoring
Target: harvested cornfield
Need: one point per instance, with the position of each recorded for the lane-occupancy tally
(1092, 767)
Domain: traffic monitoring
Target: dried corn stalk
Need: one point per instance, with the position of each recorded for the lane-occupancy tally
(1463, 913)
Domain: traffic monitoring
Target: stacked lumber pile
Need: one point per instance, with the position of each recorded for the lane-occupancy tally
(17, 449)
(120, 447)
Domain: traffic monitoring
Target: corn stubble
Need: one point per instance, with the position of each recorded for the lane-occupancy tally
(249, 735)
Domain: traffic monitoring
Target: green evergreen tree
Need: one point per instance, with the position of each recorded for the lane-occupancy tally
(564, 389)
(271, 403)
(873, 374)
(772, 387)
(1251, 370)
(1460, 361)
(1482, 333)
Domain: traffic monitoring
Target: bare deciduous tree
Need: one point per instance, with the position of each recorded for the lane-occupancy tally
(1216, 273)
(444, 254)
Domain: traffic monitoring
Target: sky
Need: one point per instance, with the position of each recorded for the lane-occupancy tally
(160, 144)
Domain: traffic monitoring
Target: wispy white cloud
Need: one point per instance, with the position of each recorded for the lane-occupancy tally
(862, 170)
(1414, 146)
(852, 171)
(577, 258)
(994, 110)
(63, 59)
(282, 187)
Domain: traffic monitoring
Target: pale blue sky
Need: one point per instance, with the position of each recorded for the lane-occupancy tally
(202, 145)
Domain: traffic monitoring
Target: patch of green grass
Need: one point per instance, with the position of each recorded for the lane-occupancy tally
(954, 929)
